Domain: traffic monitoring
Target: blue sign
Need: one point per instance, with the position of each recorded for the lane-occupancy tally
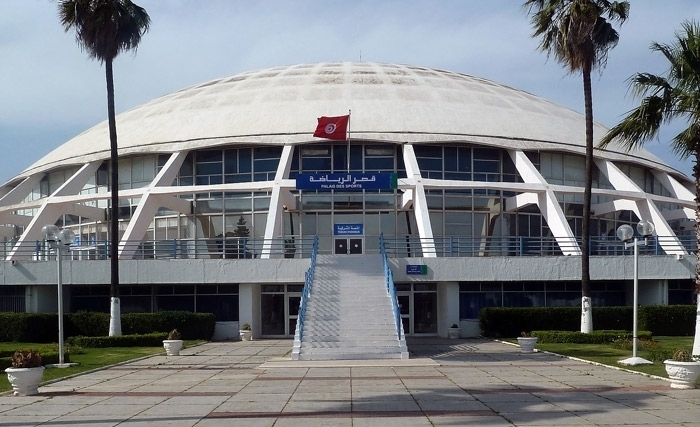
(347, 181)
(348, 229)
(416, 269)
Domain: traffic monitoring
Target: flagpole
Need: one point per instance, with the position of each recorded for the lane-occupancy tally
(349, 113)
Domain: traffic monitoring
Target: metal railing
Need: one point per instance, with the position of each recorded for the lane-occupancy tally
(519, 246)
(395, 247)
(389, 277)
(308, 283)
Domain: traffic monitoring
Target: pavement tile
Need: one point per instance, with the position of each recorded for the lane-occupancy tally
(466, 383)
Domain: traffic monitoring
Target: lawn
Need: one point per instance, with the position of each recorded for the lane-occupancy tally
(87, 358)
(609, 354)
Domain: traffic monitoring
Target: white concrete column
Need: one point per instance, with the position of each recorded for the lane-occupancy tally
(448, 306)
(420, 204)
(249, 306)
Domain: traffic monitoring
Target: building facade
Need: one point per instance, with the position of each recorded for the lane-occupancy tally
(488, 198)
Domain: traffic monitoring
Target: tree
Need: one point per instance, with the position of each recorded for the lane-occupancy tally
(105, 28)
(578, 35)
(674, 96)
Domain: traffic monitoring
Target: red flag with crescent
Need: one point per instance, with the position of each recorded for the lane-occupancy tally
(332, 128)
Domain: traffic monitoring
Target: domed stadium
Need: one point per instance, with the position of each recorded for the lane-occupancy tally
(475, 188)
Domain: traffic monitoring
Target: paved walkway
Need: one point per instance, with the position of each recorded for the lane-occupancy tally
(445, 383)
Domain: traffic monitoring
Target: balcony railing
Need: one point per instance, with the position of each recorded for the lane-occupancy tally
(395, 247)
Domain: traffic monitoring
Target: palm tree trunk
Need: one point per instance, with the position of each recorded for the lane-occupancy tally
(115, 323)
(696, 175)
(586, 307)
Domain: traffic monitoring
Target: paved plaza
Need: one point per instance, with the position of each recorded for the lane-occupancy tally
(445, 383)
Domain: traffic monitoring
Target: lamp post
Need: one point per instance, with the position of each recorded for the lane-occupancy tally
(626, 234)
(58, 239)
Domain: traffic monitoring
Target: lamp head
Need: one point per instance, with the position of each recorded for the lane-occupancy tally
(625, 232)
(50, 232)
(66, 236)
(645, 228)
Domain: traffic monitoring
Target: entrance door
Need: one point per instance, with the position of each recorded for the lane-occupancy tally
(279, 309)
(345, 246)
(418, 307)
(355, 246)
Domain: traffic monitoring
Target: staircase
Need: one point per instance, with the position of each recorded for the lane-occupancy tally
(349, 314)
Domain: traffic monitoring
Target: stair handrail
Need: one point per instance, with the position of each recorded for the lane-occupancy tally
(308, 282)
(389, 277)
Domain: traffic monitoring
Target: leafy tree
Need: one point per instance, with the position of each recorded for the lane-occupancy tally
(579, 35)
(673, 96)
(105, 28)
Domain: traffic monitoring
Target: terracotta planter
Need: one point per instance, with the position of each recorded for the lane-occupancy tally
(25, 381)
(172, 347)
(246, 334)
(683, 375)
(527, 344)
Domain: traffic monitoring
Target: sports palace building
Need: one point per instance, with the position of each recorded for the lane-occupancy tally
(476, 188)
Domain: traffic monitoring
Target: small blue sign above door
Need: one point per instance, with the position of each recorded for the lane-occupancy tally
(416, 269)
(348, 229)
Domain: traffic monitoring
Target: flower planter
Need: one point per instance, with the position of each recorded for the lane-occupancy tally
(527, 344)
(246, 334)
(453, 333)
(172, 347)
(683, 375)
(25, 381)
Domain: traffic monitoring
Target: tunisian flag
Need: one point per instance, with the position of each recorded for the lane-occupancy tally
(332, 128)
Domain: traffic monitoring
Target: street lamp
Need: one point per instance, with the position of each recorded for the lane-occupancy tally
(626, 234)
(58, 239)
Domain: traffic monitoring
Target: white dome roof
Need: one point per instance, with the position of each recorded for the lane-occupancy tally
(392, 103)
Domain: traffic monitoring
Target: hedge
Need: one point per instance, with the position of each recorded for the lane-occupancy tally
(140, 340)
(595, 337)
(670, 320)
(43, 327)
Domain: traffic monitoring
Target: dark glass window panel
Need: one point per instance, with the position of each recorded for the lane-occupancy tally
(486, 166)
(465, 159)
(340, 158)
(209, 168)
(267, 153)
(471, 303)
(481, 153)
(267, 165)
(379, 163)
(316, 164)
(434, 151)
(135, 304)
(231, 161)
(469, 287)
(207, 156)
(451, 158)
(426, 164)
(272, 288)
(206, 289)
(356, 157)
(244, 161)
(295, 288)
(175, 302)
(224, 307)
(186, 181)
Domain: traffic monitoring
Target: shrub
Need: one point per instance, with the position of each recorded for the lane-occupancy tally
(174, 335)
(26, 359)
(140, 340)
(595, 337)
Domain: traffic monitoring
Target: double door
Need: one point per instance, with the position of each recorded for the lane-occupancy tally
(344, 245)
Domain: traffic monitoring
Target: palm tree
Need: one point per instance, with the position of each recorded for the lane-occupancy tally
(578, 35)
(675, 96)
(105, 28)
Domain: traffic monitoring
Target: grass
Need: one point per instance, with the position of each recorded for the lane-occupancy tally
(656, 351)
(87, 358)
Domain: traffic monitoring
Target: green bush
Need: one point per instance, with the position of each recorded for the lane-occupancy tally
(139, 340)
(669, 320)
(43, 327)
(596, 337)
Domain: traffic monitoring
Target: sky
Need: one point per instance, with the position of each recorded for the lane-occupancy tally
(52, 91)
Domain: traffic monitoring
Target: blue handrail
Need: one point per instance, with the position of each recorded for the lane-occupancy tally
(308, 282)
(389, 277)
